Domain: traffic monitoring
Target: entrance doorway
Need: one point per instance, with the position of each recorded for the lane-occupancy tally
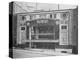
(46, 32)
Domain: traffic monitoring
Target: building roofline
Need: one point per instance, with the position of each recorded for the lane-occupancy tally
(47, 11)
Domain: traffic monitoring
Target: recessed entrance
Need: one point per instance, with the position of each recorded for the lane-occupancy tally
(44, 32)
(39, 33)
(44, 45)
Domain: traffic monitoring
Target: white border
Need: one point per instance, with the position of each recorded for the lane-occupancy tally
(4, 29)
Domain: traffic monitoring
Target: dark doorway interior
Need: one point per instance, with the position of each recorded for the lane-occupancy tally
(44, 45)
(27, 32)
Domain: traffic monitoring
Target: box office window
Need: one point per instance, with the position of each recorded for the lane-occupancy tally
(22, 28)
(64, 27)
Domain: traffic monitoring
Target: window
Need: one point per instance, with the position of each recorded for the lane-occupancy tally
(23, 18)
(50, 15)
(64, 27)
(22, 28)
(64, 15)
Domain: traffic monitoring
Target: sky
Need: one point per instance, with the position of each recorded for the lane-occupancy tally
(30, 6)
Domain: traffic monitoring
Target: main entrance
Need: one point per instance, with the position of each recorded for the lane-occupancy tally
(46, 32)
(40, 35)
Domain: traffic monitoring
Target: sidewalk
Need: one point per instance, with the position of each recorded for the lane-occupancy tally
(51, 52)
(28, 53)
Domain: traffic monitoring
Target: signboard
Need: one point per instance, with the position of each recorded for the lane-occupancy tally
(63, 35)
(42, 21)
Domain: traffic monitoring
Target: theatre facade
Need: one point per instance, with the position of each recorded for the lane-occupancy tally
(47, 29)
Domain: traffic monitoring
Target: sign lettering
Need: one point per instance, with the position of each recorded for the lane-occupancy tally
(42, 21)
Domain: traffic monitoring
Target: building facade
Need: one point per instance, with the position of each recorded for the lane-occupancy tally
(47, 29)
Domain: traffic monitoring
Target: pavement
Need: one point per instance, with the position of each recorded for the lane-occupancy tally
(28, 53)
